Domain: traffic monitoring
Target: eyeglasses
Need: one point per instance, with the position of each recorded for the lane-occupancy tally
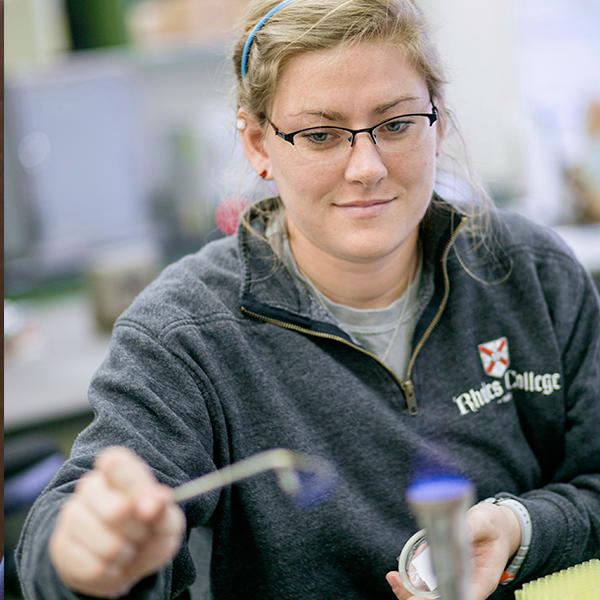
(395, 135)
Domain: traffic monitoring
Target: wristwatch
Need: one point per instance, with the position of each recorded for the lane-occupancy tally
(522, 515)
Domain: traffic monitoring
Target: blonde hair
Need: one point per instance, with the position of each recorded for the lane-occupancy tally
(309, 25)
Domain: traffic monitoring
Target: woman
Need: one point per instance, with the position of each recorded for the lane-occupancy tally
(358, 317)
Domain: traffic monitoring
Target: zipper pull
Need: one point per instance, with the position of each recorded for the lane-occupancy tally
(409, 393)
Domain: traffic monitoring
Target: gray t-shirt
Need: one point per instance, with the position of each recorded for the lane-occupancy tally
(386, 332)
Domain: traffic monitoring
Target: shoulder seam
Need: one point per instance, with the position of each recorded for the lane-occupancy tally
(167, 329)
(543, 252)
(160, 339)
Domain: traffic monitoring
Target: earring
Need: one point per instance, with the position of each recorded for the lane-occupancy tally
(241, 124)
(263, 174)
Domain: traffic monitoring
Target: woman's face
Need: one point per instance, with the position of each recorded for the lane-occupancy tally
(367, 205)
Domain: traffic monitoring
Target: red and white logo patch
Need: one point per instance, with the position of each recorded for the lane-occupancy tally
(494, 357)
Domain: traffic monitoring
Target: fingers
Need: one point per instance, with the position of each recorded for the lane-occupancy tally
(131, 496)
(88, 557)
(171, 523)
(112, 507)
(88, 531)
(119, 525)
(164, 540)
(83, 571)
(124, 468)
(393, 578)
(130, 475)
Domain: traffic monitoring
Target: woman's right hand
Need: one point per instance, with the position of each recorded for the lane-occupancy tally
(119, 526)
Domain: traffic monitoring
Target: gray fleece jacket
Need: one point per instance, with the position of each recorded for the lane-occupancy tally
(227, 354)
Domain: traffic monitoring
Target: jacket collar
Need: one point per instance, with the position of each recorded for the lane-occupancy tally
(269, 290)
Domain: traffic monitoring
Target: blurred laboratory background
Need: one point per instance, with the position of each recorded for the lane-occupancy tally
(120, 145)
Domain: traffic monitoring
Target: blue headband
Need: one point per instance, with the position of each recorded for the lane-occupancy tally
(253, 33)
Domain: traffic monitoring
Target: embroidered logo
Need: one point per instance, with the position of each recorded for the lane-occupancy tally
(496, 362)
(494, 357)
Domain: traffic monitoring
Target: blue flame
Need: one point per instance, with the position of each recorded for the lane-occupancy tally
(315, 487)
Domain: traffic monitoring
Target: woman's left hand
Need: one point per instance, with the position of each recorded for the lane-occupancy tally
(496, 536)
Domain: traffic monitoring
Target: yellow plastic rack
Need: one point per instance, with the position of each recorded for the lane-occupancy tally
(581, 582)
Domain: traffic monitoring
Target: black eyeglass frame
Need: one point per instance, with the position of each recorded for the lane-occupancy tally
(289, 137)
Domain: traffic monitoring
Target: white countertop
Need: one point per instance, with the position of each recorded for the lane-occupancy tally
(49, 375)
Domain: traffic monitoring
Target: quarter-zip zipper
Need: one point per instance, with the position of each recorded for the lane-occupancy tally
(406, 385)
(327, 336)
